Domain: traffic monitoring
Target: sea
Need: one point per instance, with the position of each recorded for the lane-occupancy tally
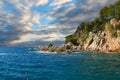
(18, 63)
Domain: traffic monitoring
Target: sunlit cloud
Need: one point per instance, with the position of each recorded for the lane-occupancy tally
(59, 2)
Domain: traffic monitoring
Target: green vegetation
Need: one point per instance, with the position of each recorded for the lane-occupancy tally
(107, 12)
(113, 33)
(98, 24)
(50, 45)
(72, 39)
(84, 36)
(118, 26)
(112, 30)
(117, 9)
(118, 33)
(110, 11)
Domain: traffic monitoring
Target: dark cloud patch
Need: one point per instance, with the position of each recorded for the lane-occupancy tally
(10, 28)
(80, 10)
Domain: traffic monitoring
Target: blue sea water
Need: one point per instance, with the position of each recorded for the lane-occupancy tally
(24, 64)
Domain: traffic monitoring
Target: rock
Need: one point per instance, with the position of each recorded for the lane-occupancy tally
(74, 47)
(69, 44)
(114, 22)
(88, 41)
(51, 49)
(44, 48)
(59, 49)
(79, 47)
(68, 51)
(100, 41)
(103, 34)
(118, 40)
(94, 41)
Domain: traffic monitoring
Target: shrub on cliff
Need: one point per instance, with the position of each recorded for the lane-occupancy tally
(104, 13)
(72, 39)
(50, 45)
(118, 27)
(93, 26)
(84, 36)
(117, 9)
(86, 26)
(118, 33)
(113, 31)
(110, 11)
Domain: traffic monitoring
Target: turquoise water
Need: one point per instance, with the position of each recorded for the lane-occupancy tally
(24, 64)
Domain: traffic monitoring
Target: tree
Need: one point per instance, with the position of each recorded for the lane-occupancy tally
(110, 11)
(72, 39)
(82, 25)
(107, 12)
(88, 26)
(50, 45)
(104, 13)
(96, 21)
(117, 9)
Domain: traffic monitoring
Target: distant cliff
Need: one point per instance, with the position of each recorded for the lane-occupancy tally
(101, 34)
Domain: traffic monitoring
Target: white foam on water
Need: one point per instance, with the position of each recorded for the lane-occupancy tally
(44, 52)
(4, 54)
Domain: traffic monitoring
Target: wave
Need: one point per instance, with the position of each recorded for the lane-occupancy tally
(45, 52)
(4, 53)
(1, 54)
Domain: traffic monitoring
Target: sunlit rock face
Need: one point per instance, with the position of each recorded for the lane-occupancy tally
(112, 44)
(102, 41)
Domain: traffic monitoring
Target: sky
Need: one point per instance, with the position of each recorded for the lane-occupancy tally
(40, 22)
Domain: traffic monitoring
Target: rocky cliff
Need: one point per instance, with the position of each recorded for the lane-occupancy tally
(101, 34)
(101, 41)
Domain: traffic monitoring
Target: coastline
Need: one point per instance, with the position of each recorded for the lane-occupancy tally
(54, 49)
(102, 41)
(102, 34)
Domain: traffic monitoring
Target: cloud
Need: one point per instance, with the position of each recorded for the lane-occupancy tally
(59, 2)
(68, 18)
(17, 19)
(41, 2)
(44, 37)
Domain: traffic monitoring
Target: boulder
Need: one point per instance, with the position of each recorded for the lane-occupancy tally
(74, 47)
(68, 51)
(79, 47)
(114, 22)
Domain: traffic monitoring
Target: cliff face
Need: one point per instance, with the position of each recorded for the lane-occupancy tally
(100, 34)
(106, 40)
(102, 40)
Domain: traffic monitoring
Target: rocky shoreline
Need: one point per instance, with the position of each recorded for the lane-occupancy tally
(102, 34)
(98, 42)
(65, 48)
